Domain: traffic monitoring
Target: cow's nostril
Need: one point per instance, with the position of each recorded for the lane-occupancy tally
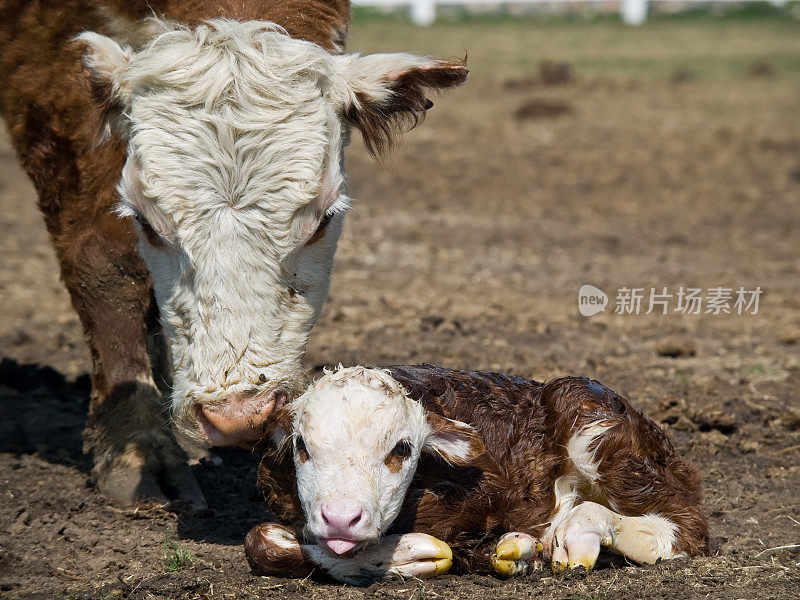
(279, 399)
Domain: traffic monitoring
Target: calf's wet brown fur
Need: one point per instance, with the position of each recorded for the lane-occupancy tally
(525, 427)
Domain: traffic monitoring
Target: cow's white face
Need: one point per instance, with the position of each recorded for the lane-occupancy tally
(235, 134)
(357, 439)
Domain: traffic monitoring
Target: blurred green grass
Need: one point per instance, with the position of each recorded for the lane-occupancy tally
(717, 48)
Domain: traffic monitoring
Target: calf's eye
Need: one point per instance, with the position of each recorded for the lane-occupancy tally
(401, 451)
(300, 449)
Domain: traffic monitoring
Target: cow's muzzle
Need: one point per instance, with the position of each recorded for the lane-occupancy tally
(239, 421)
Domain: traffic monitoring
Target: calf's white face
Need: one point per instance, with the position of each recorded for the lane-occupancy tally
(234, 137)
(357, 439)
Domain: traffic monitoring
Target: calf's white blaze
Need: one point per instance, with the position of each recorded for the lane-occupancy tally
(350, 421)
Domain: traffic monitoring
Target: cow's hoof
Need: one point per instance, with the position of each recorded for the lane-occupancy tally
(515, 553)
(148, 467)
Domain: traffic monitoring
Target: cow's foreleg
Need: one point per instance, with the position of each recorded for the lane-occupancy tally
(274, 549)
(135, 454)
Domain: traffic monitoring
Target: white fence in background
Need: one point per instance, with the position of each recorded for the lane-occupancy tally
(423, 12)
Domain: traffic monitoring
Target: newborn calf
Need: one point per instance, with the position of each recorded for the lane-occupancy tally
(376, 471)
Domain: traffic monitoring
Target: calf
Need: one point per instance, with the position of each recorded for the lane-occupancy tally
(413, 469)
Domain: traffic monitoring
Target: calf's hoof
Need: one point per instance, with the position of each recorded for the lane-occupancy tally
(149, 466)
(515, 553)
(410, 555)
(420, 556)
(578, 538)
(273, 549)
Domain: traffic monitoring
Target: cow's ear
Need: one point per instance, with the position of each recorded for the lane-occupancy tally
(383, 94)
(105, 63)
(456, 442)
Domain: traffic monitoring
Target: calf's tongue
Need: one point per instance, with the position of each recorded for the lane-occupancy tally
(340, 546)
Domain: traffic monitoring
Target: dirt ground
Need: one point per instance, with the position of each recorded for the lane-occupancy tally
(669, 157)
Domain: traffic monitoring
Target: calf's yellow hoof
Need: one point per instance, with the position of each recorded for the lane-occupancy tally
(513, 554)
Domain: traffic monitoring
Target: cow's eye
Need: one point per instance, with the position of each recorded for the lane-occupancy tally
(320, 232)
(300, 449)
(152, 236)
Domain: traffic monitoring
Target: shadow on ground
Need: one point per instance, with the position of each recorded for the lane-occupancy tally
(43, 414)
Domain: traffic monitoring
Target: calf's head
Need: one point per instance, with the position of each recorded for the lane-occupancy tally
(356, 439)
(234, 136)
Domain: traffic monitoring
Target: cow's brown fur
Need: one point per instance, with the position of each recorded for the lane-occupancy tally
(525, 426)
(53, 118)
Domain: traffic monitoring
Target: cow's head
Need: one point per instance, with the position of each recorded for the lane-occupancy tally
(356, 439)
(234, 137)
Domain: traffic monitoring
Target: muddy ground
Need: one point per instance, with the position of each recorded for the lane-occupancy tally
(669, 157)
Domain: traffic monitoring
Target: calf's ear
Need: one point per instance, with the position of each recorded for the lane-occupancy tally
(278, 428)
(104, 65)
(383, 94)
(457, 443)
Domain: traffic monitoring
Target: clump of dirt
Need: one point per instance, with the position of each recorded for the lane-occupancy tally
(550, 72)
(676, 347)
(682, 75)
(791, 336)
(713, 416)
(791, 418)
(554, 72)
(542, 109)
(761, 69)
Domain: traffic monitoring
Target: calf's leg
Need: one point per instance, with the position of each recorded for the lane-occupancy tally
(274, 549)
(577, 539)
(643, 498)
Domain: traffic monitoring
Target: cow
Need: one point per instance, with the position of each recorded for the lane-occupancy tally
(188, 162)
(412, 470)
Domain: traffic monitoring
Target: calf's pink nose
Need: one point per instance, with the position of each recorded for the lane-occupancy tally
(341, 517)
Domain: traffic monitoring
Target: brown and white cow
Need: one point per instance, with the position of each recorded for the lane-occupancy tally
(408, 470)
(212, 209)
